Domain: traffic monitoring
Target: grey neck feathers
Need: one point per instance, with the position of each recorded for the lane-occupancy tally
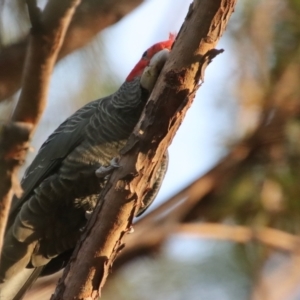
(118, 113)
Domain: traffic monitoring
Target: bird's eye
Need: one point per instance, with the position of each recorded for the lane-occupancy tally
(144, 54)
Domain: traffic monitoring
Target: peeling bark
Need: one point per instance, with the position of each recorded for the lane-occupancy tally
(163, 114)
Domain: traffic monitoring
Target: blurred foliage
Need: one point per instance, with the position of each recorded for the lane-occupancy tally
(264, 190)
(176, 276)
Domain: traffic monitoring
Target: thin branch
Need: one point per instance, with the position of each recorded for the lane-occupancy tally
(47, 34)
(271, 237)
(90, 18)
(163, 114)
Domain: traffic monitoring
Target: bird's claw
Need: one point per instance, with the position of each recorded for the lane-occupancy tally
(102, 172)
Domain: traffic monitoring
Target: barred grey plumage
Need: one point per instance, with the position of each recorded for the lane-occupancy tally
(60, 186)
(51, 215)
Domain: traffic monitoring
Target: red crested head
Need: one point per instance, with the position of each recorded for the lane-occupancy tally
(148, 54)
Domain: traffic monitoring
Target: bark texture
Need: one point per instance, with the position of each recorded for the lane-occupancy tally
(163, 114)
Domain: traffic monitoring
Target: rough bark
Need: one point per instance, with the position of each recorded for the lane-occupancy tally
(163, 114)
(90, 18)
(47, 33)
(151, 231)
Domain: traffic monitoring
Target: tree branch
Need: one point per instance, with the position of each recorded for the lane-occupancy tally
(47, 34)
(163, 114)
(153, 229)
(271, 237)
(90, 18)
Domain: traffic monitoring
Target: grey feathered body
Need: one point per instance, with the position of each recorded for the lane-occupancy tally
(60, 185)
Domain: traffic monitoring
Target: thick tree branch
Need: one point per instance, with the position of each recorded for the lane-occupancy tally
(152, 230)
(164, 112)
(189, 204)
(90, 18)
(47, 34)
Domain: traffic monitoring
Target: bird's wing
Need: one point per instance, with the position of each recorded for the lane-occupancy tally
(61, 142)
(153, 191)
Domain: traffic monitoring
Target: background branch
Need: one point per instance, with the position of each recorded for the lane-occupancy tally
(47, 33)
(90, 18)
(274, 238)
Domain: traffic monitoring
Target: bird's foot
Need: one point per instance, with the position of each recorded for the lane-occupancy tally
(102, 172)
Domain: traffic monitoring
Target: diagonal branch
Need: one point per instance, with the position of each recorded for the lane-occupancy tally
(154, 228)
(163, 114)
(47, 33)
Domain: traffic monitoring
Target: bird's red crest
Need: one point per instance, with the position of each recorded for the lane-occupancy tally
(144, 61)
